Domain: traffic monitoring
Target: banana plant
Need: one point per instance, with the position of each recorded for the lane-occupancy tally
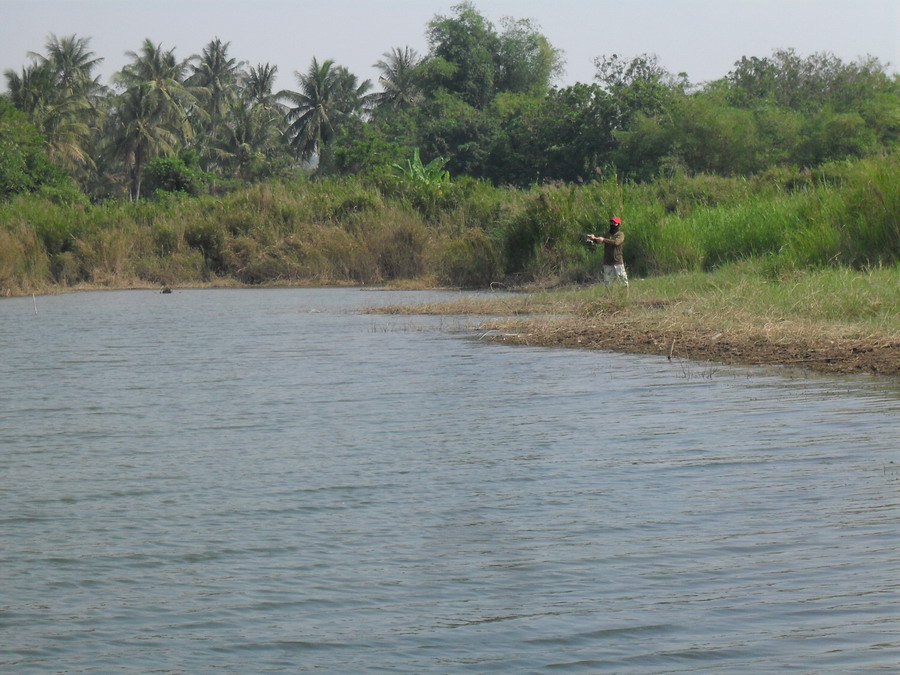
(432, 173)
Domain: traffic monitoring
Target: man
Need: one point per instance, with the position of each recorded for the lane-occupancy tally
(613, 264)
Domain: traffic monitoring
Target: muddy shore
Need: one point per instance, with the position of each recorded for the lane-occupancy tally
(833, 355)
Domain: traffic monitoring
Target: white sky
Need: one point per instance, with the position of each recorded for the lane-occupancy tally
(702, 38)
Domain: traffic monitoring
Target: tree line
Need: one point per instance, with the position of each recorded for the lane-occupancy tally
(480, 103)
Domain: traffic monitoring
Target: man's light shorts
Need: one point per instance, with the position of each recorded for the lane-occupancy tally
(613, 273)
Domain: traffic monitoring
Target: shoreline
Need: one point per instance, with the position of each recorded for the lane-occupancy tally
(674, 330)
(840, 356)
(651, 327)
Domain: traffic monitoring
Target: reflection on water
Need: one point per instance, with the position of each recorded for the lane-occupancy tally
(270, 480)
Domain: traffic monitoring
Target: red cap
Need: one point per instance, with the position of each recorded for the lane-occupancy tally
(616, 220)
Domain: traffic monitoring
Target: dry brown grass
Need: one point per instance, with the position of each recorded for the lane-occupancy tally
(742, 320)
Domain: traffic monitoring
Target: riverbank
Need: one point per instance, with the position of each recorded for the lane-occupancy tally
(364, 232)
(834, 321)
(877, 356)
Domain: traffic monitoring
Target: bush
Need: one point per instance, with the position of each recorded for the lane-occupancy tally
(340, 231)
(165, 238)
(400, 250)
(171, 175)
(208, 237)
(549, 228)
(471, 261)
(24, 165)
(67, 269)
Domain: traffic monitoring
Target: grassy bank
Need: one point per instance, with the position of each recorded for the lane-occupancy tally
(789, 267)
(468, 233)
(830, 320)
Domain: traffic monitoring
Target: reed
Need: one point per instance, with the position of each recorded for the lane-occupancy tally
(23, 264)
(351, 230)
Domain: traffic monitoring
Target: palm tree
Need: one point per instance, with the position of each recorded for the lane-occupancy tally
(215, 78)
(61, 96)
(142, 129)
(253, 130)
(162, 77)
(152, 116)
(398, 79)
(72, 64)
(32, 90)
(253, 133)
(328, 95)
(257, 86)
(61, 118)
(355, 99)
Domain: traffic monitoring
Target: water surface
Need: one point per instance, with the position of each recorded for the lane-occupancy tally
(272, 480)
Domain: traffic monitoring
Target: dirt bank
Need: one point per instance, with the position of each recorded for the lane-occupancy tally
(833, 355)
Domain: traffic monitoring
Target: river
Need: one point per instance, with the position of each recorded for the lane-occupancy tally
(276, 481)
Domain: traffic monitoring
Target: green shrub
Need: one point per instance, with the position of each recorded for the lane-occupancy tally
(400, 250)
(165, 238)
(67, 269)
(163, 175)
(470, 261)
(844, 213)
(208, 237)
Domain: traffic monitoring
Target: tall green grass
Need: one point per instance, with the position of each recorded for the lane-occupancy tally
(364, 232)
(818, 305)
(867, 299)
(23, 262)
(852, 218)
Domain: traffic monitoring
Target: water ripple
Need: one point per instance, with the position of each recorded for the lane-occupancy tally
(262, 488)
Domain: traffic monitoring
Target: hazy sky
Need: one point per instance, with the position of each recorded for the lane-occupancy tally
(702, 38)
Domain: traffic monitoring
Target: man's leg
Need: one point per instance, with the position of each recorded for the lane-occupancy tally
(609, 274)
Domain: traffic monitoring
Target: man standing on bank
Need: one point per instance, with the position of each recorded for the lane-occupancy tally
(613, 264)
